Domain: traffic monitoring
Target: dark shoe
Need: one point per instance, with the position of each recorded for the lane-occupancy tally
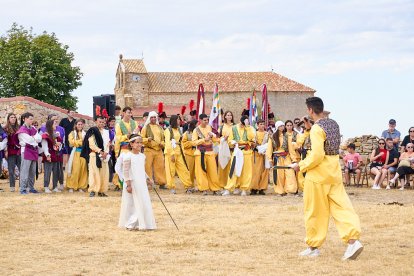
(33, 191)
(117, 189)
(253, 192)
(262, 192)
(23, 192)
(102, 195)
(162, 187)
(92, 194)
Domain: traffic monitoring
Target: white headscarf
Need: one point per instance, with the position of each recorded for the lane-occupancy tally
(278, 124)
(151, 114)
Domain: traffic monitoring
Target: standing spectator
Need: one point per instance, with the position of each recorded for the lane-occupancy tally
(408, 139)
(390, 168)
(379, 157)
(118, 116)
(68, 124)
(51, 143)
(29, 139)
(392, 133)
(12, 152)
(353, 162)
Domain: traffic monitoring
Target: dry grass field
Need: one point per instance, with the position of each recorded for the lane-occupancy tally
(72, 234)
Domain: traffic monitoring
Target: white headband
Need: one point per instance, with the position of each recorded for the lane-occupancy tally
(134, 138)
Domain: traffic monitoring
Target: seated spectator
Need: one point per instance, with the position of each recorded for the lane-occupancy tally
(353, 162)
(408, 139)
(390, 167)
(392, 133)
(379, 157)
(405, 167)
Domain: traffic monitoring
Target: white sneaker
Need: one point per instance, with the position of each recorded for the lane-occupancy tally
(236, 192)
(70, 190)
(402, 188)
(47, 190)
(172, 191)
(388, 187)
(243, 193)
(353, 251)
(310, 253)
(226, 193)
(56, 190)
(81, 191)
(205, 193)
(61, 187)
(374, 187)
(12, 189)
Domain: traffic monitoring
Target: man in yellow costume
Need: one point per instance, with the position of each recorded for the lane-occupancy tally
(153, 138)
(189, 148)
(174, 156)
(205, 158)
(241, 138)
(95, 149)
(260, 173)
(324, 193)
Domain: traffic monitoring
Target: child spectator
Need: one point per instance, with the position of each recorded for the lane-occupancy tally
(353, 162)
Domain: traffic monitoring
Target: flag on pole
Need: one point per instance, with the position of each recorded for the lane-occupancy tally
(200, 100)
(215, 114)
(253, 114)
(265, 105)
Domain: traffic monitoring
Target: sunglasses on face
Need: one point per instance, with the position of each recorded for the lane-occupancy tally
(411, 131)
(409, 147)
(381, 143)
(297, 122)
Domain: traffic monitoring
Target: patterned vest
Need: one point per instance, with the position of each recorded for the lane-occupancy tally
(333, 136)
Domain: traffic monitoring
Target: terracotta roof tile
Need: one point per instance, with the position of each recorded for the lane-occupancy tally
(134, 66)
(162, 82)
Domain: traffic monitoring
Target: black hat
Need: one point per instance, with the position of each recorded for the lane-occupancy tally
(392, 122)
(146, 113)
(193, 112)
(271, 115)
(245, 112)
(163, 115)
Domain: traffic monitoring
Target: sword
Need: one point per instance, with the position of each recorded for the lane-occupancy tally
(281, 167)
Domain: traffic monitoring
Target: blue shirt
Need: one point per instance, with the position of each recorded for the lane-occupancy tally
(395, 134)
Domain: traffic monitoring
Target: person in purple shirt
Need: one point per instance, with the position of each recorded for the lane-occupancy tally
(61, 132)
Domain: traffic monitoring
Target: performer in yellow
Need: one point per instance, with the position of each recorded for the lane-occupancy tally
(205, 158)
(324, 192)
(303, 144)
(76, 170)
(189, 148)
(278, 154)
(175, 161)
(123, 129)
(95, 149)
(153, 138)
(241, 138)
(260, 174)
(224, 133)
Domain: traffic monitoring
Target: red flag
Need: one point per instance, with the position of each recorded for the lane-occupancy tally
(265, 105)
(200, 100)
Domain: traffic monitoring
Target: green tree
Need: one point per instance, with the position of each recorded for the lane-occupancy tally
(38, 66)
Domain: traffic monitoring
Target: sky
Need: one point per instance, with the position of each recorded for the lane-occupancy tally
(357, 55)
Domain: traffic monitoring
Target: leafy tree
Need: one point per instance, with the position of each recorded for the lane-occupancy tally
(38, 66)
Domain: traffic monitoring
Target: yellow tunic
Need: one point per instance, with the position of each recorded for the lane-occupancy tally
(286, 178)
(154, 157)
(177, 166)
(224, 173)
(325, 195)
(79, 175)
(205, 180)
(98, 177)
(189, 148)
(245, 179)
(294, 154)
(300, 141)
(260, 175)
(122, 137)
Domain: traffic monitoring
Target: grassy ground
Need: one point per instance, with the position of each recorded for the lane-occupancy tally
(71, 234)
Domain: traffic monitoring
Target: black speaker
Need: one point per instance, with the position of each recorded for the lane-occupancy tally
(110, 104)
(99, 104)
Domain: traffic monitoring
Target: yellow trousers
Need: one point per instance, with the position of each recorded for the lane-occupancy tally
(98, 178)
(207, 180)
(190, 163)
(260, 175)
(79, 176)
(286, 179)
(245, 178)
(301, 180)
(177, 167)
(223, 174)
(322, 200)
(154, 165)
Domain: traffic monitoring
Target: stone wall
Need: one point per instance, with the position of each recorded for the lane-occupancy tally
(40, 110)
(363, 144)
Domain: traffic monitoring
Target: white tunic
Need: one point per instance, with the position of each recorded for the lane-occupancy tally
(136, 209)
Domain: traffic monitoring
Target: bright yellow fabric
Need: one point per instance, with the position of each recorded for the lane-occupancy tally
(178, 166)
(294, 155)
(120, 137)
(98, 177)
(158, 141)
(188, 145)
(224, 173)
(320, 168)
(260, 175)
(79, 175)
(154, 165)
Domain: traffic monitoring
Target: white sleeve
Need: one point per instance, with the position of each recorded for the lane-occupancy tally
(118, 167)
(38, 138)
(126, 164)
(45, 147)
(27, 139)
(3, 144)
